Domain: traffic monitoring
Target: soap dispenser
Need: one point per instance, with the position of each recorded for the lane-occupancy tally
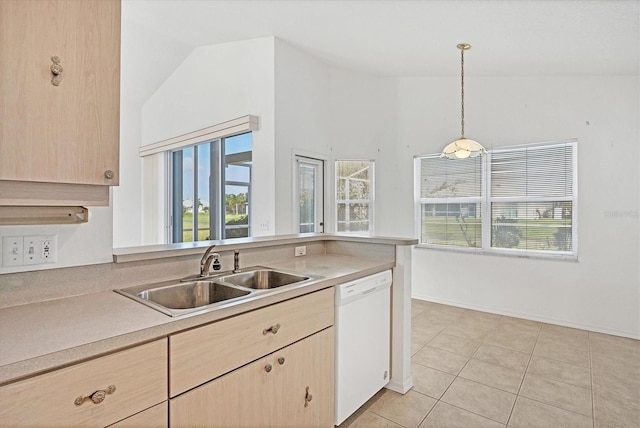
(216, 262)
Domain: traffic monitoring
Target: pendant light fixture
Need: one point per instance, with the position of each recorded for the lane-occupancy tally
(463, 147)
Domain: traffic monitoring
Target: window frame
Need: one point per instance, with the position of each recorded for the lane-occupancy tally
(217, 185)
(455, 200)
(486, 199)
(371, 201)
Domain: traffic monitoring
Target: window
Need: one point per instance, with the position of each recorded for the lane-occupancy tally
(354, 196)
(515, 200)
(211, 190)
(451, 196)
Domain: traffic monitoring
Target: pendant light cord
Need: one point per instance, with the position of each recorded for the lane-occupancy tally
(462, 91)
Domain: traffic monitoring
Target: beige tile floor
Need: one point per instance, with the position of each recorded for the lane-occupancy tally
(475, 369)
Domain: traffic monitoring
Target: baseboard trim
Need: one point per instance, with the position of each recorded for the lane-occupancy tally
(532, 317)
(401, 387)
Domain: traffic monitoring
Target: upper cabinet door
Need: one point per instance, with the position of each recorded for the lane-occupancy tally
(60, 91)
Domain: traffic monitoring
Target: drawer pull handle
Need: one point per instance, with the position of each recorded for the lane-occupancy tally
(56, 71)
(307, 398)
(281, 360)
(97, 397)
(268, 368)
(273, 329)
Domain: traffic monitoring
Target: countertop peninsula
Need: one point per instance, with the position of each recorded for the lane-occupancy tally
(42, 336)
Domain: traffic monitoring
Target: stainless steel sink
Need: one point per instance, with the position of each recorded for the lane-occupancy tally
(260, 278)
(176, 298)
(181, 298)
(191, 294)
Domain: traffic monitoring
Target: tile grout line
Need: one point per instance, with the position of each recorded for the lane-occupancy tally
(525, 374)
(384, 417)
(555, 407)
(400, 425)
(448, 386)
(539, 341)
(467, 410)
(539, 356)
(474, 413)
(560, 381)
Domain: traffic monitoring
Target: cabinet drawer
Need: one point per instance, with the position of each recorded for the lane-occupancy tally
(199, 355)
(155, 417)
(138, 374)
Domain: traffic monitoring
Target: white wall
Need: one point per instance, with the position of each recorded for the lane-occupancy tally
(334, 114)
(602, 290)
(81, 244)
(302, 117)
(304, 105)
(363, 126)
(216, 84)
(147, 59)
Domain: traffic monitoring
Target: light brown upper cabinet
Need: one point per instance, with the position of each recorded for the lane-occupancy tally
(60, 95)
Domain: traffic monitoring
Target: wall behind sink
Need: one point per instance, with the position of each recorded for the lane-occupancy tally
(35, 286)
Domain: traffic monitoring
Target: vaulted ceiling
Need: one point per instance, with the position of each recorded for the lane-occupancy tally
(404, 37)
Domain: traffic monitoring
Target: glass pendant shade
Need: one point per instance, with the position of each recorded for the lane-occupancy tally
(463, 148)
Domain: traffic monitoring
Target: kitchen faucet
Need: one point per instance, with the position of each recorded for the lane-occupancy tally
(205, 262)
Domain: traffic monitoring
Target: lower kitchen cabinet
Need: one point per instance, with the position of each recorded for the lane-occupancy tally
(155, 417)
(95, 393)
(291, 387)
(306, 386)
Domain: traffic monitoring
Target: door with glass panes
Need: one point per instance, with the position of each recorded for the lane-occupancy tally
(309, 195)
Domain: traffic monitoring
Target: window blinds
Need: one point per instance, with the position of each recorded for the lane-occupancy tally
(516, 199)
(533, 172)
(446, 178)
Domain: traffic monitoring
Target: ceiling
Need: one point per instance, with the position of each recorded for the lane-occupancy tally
(418, 38)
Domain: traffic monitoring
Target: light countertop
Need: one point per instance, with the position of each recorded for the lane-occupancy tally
(39, 337)
(151, 252)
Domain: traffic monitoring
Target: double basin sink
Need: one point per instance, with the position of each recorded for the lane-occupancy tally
(179, 298)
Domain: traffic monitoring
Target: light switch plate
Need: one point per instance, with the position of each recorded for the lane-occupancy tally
(31, 255)
(12, 251)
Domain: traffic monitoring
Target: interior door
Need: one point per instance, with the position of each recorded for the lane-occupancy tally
(309, 195)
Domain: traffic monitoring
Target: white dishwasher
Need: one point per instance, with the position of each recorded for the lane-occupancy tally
(362, 327)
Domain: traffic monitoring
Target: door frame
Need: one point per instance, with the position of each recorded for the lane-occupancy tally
(295, 200)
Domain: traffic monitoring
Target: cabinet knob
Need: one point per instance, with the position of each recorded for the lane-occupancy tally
(273, 329)
(281, 360)
(268, 368)
(56, 71)
(307, 398)
(97, 397)
(109, 174)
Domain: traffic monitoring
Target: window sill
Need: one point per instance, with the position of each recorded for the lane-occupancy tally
(483, 252)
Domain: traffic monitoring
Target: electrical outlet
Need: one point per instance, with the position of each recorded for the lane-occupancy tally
(49, 249)
(40, 249)
(12, 250)
(301, 251)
